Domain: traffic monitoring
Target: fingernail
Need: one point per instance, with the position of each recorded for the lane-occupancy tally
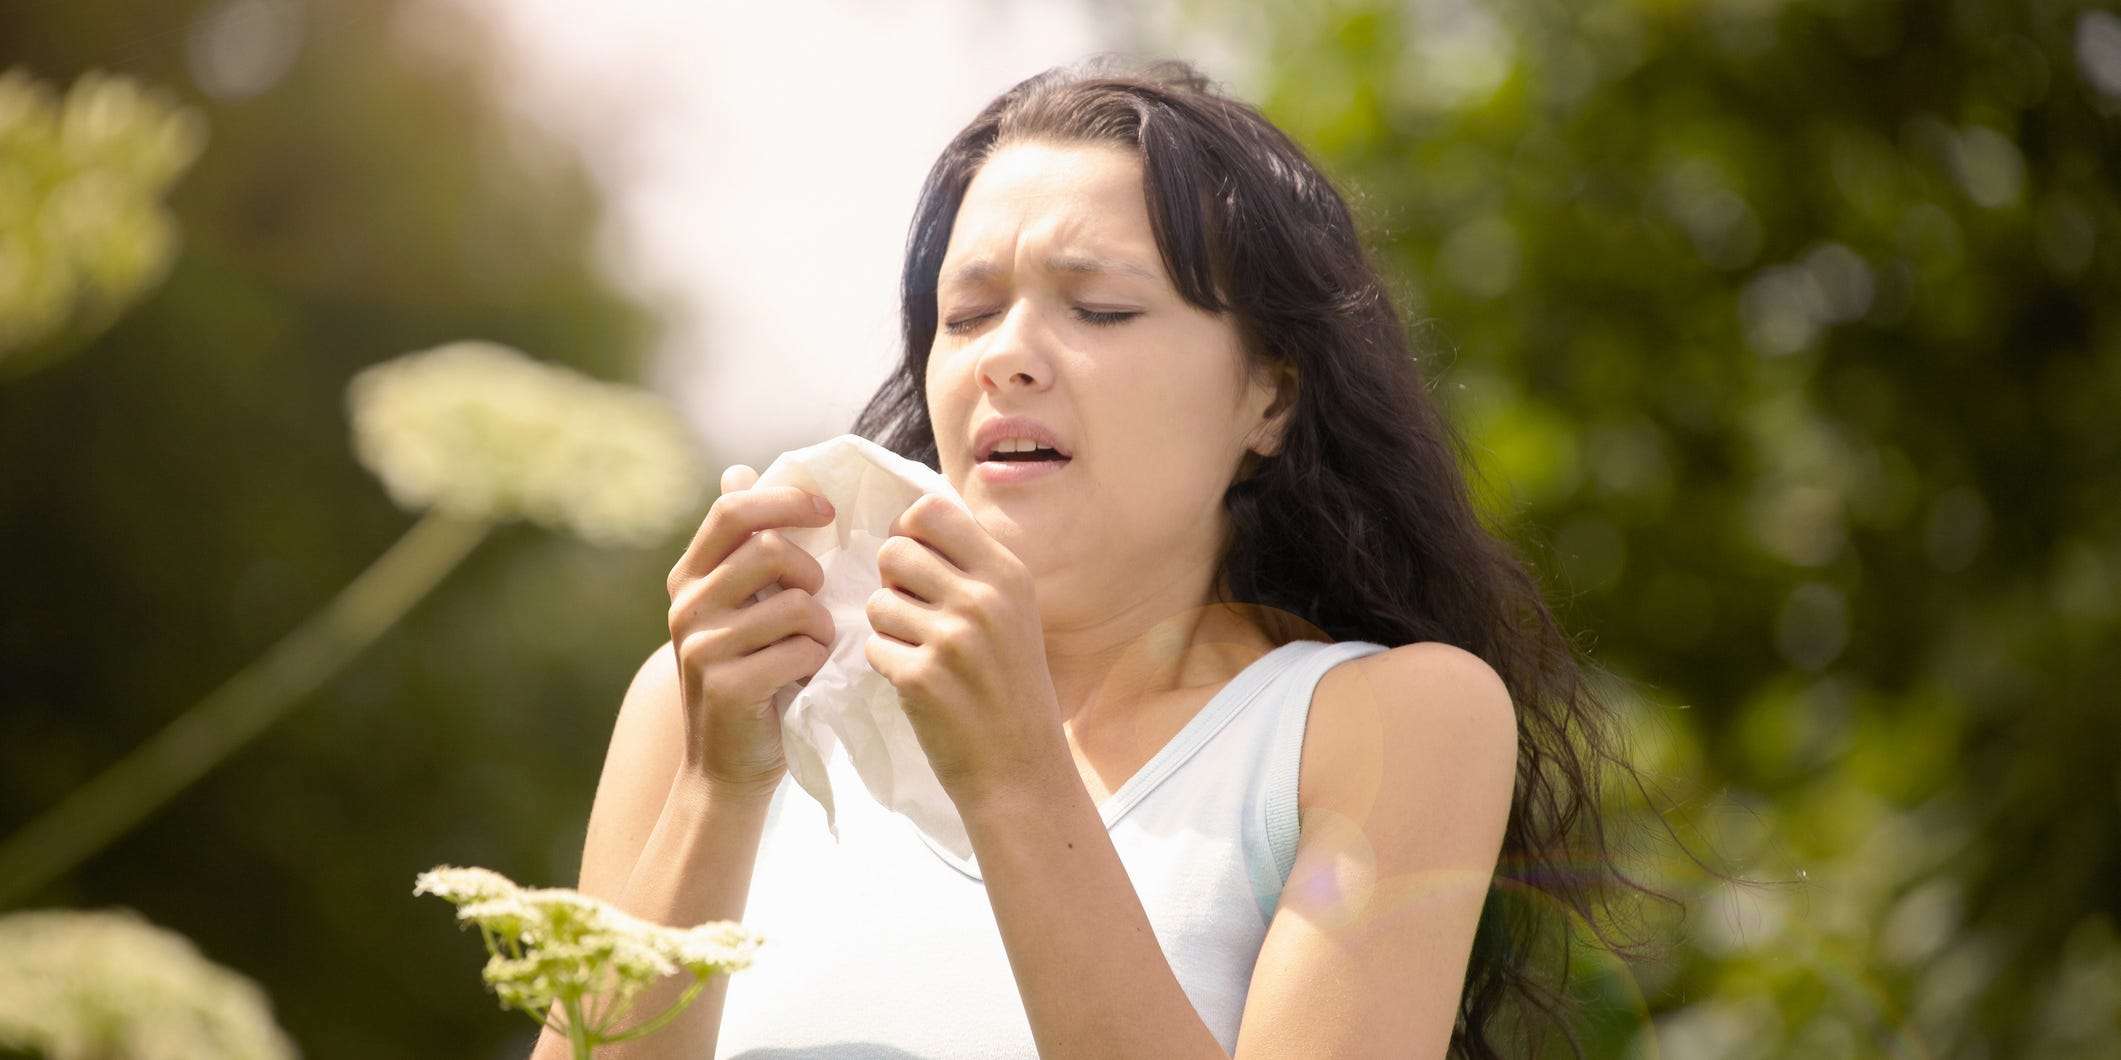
(823, 506)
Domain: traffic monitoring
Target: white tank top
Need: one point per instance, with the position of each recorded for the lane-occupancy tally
(885, 946)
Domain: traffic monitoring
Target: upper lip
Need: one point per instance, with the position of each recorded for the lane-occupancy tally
(995, 431)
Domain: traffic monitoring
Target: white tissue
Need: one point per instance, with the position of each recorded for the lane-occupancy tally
(847, 702)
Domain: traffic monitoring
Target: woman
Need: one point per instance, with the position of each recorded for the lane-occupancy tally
(1239, 702)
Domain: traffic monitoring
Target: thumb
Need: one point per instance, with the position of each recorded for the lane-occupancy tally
(738, 477)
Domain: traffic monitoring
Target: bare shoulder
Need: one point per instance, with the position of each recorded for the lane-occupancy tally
(645, 752)
(1406, 786)
(1427, 707)
(657, 677)
(649, 713)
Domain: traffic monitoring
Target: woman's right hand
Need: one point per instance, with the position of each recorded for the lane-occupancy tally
(733, 653)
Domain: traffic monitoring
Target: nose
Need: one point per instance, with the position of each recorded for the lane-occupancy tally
(1014, 355)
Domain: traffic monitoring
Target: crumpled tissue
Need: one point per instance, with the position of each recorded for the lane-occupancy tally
(847, 702)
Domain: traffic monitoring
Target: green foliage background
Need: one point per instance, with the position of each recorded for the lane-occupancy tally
(181, 492)
(1788, 335)
(1784, 331)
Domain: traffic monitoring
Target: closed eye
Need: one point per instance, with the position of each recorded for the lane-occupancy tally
(1088, 316)
(1102, 319)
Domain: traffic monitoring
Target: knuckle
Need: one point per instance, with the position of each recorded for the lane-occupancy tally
(698, 590)
(709, 587)
(952, 636)
(921, 673)
(715, 641)
(693, 649)
(731, 511)
(690, 593)
(811, 571)
(746, 556)
(787, 555)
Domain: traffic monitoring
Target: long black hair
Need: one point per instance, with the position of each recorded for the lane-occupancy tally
(1361, 526)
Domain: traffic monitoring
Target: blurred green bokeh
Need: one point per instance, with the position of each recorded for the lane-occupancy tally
(181, 491)
(82, 233)
(1785, 334)
(1788, 337)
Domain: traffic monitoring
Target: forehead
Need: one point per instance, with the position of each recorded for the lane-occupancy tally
(1078, 200)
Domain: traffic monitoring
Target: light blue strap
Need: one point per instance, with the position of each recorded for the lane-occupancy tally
(1285, 762)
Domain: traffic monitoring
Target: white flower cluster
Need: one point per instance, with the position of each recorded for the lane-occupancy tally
(82, 227)
(482, 431)
(108, 985)
(554, 944)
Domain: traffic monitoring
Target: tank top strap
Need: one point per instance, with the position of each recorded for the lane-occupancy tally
(1275, 816)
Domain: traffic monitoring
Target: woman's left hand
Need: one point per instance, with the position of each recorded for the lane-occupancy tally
(959, 636)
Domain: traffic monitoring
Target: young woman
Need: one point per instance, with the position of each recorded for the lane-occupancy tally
(1238, 700)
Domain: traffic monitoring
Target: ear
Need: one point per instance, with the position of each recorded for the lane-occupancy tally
(1274, 422)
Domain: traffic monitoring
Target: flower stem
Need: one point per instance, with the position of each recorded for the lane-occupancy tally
(651, 1026)
(577, 1032)
(246, 704)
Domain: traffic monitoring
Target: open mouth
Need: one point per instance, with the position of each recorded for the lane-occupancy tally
(1005, 468)
(1028, 456)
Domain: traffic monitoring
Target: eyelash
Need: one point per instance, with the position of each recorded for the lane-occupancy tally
(1090, 316)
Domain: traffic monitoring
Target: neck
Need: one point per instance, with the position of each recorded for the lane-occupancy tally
(1104, 668)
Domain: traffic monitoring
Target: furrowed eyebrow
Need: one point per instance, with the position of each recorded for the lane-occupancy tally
(974, 272)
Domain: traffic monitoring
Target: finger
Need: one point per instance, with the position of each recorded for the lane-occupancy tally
(737, 515)
(892, 615)
(950, 532)
(754, 678)
(887, 654)
(912, 568)
(761, 562)
(788, 613)
(735, 477)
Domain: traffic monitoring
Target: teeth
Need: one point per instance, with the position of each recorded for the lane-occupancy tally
(1020, 445)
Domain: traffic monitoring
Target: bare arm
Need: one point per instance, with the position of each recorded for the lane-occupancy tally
(667, 845)
(696, 753)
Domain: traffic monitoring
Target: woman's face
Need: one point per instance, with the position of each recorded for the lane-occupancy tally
(1053, 304)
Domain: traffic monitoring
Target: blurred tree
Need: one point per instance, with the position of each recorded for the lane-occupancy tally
(182, 491)
(1787, 333)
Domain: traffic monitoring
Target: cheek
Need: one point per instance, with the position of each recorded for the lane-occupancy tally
(1183, 417)
(1168, 463)
(946, 415)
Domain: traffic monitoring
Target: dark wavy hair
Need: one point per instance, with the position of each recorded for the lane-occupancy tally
(1361, 525)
